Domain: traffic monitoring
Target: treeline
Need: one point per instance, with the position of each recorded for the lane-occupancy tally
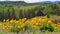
(12, 14)
(18, 12)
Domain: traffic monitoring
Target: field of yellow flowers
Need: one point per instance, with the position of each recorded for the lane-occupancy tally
(36, 24)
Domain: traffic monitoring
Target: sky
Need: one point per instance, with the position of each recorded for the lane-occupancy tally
(31, 1)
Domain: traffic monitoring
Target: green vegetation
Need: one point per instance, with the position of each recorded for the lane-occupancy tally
(11, 15)
(16, 12)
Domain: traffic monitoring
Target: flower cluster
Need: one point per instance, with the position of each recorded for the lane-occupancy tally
(42, 23)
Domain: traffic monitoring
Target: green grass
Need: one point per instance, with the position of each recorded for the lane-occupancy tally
(30, 33)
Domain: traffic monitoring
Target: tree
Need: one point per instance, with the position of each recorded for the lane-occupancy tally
(20, 14)
(8, 14)
(13, 16)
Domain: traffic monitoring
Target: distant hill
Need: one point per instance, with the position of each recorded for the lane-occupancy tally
(12, 3)
(47, 2)
(24, 3)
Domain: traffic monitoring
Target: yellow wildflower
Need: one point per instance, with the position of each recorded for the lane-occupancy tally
(4, 20)
(49, 21)
(34, 26)
(44, 20)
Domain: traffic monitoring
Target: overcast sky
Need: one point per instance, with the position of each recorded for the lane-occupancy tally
(31, 1)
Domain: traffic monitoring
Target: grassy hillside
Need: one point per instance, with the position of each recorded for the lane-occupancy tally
(17, 12)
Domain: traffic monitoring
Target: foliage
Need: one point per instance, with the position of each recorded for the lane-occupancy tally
(31, 25)
(28, 11)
